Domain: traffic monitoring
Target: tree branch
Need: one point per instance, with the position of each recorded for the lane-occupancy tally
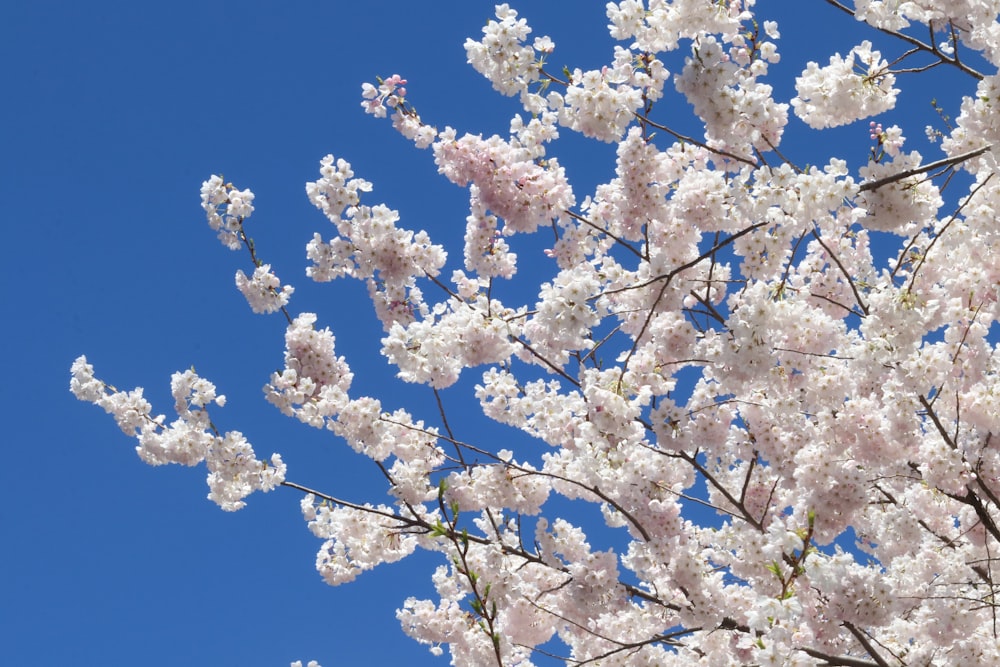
(946, 162)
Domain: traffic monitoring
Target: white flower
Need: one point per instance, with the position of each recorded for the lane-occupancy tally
(848, 89)
(263, 291)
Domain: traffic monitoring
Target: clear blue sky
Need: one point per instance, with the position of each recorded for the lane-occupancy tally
(113, 115)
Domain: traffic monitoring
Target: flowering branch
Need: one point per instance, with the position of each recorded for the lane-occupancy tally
(920, 46)
(782, 421)
(923, 169)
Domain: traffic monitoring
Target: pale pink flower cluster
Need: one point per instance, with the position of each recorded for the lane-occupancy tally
(314, 383)
(357, 539)
(848, 89)
(337, 190)
(897, 207)
(598, 103)
(502, 56)
(642, 71)
(659, 25)
(511, 185)
(540, 409)
(889, 15)
(563, 316)
(499, 485)
(580, 585)
(486, 251)
(638, 194)
(313, 387)
(226, 208)
(891, 139)
(977, 124)
(739, 112)
(973, 22)
(389, 93)
(263, 291)
(510, 182)
(410, 126)
(378, 435)
(234, 471)
(370, 246)
(459, 335)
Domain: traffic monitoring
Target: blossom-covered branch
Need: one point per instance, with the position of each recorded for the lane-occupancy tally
(767, 392)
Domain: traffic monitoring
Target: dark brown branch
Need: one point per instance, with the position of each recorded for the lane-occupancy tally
(920, 46)
(745, 515)
(687, 265)
(552, 366)
(695, 142)
(937, 422)
(863, 639)
(621, 242)
(838, 660)
(946, 162)
(850, 281)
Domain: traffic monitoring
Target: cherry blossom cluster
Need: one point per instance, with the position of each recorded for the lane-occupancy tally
(370, 246)
(659, 25)
(234, 472)
(899, 206)
(510, 181)
(351, 545)
(765, 391)
(226, 208)
(314, 383)
(598, 104)
(479, 332)
(501, 55)
(739, 112)
(263, 291)
(972, 22)
(390, 92)
(857, 86)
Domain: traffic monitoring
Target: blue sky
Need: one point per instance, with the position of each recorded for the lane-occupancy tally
(113, 115)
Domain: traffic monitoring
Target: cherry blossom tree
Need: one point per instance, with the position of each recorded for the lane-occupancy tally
(774, 381)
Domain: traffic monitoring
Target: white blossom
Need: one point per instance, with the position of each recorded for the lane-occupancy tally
(263, 291)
